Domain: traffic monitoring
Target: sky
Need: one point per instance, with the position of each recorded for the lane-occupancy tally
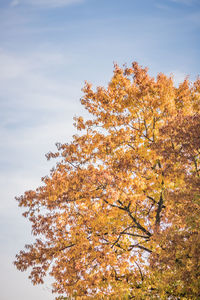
(48, 48)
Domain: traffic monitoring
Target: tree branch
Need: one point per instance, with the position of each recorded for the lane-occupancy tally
(160, 206)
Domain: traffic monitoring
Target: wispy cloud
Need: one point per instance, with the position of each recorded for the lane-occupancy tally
(186, 2)
(45, 3)
(178, 76)
(162, 6)
(36, 108)
(14, 3)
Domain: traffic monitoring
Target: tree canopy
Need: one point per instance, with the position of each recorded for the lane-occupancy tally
(119, 215)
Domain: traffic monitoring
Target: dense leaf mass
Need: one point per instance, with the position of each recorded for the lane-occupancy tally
(119, 215)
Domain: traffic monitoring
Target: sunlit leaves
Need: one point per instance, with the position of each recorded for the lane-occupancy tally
(119, 214)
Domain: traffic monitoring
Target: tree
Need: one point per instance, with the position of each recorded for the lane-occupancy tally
(119, 214)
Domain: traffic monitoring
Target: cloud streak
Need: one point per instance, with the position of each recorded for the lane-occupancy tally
(45, 3)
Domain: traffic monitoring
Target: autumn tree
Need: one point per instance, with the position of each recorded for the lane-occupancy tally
(119, 215)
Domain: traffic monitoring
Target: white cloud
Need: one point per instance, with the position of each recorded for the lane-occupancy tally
(45, 3)
(36, 106)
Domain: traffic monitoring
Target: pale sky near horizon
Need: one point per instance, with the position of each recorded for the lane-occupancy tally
(47, 49)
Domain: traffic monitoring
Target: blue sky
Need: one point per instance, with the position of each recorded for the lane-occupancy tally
(47, 49)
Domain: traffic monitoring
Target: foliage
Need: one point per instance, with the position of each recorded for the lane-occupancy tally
(119, 215)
